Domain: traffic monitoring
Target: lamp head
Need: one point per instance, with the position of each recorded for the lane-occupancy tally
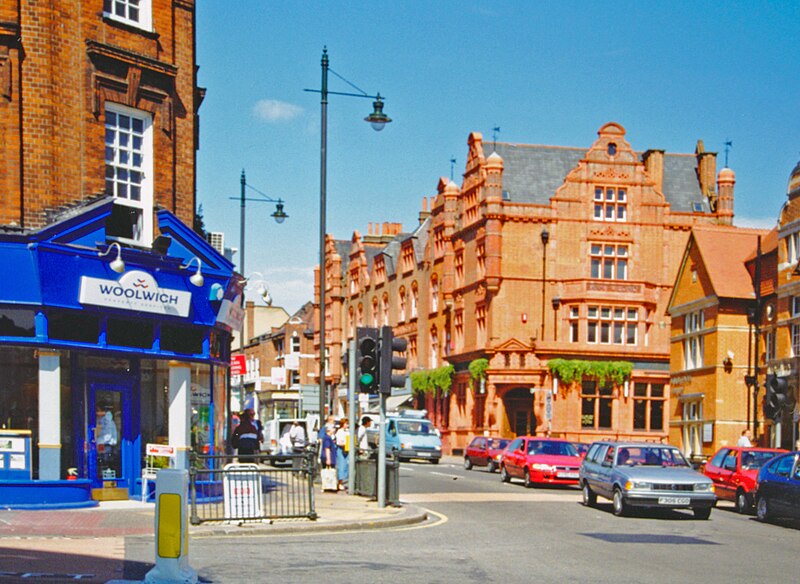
(117, 264)
(279, 215)
(377, 118)
(197, 278)
(545, 235)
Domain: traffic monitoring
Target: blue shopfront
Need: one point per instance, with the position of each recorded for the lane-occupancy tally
(105, 347)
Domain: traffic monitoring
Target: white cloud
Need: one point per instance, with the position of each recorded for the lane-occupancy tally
(272, 110)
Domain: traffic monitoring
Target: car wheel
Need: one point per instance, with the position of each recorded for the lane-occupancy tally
(742, 502)
(620, 507)
(527, 478)
(589, 496)
(762, 509)
(434, 461)
(492, 466)
(467, 463)
(702, 512)
(504, 476)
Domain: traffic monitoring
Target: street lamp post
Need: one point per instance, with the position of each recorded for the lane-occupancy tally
(378, 120)
(280, 216)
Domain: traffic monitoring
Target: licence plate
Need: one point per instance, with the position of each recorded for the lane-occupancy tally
(673, 500)
(424, 454)
(567, 475)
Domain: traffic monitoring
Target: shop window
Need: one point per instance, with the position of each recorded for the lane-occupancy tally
(76, 327)
(596, 405)
(182, 340)
(16, 322)
(129, 333)
(648, 406)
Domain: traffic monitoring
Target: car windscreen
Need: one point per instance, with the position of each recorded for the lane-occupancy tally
(498, 443)
(650, 456)
(552, 448)
(755, 459)
(416, 427)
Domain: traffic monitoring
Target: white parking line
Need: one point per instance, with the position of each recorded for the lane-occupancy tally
(444, 474)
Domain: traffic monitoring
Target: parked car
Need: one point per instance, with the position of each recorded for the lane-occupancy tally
(485, 451)
(778, 488)
(633, 474)
(582, 448)
(734, 470)
(540, 460)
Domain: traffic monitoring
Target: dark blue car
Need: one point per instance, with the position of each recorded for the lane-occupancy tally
(778, 490)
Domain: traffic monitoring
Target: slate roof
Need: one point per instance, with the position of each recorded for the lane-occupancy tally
(532, 174)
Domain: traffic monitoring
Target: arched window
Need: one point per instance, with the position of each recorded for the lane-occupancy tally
(402, 304)
(374, 313)
(350, 323)
(434, 355)
(414, 299)
(385, 310)
(360, 314)
(434, 293)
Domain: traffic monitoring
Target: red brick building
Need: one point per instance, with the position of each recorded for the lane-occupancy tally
(79, 79)
(541, 253)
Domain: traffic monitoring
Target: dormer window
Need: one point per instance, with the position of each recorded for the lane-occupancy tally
(610, 204)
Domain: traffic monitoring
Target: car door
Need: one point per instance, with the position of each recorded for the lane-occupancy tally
(518, 459)
(713, 467)
(794, 488)
(479, 453)
(605, 472)
(510, 453)
(590, 465)
(725, 487)
(779, 492)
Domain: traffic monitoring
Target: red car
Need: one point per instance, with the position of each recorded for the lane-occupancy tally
(734, 470)
(540, 461)
(485, 451)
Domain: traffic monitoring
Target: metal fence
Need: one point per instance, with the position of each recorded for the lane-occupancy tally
(251, 488)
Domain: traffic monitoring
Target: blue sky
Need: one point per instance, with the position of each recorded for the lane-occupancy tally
(543, 72)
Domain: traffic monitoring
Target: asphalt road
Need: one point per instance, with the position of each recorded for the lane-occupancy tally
(485, 531)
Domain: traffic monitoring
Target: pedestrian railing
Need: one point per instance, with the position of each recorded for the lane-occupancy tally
(251, 488)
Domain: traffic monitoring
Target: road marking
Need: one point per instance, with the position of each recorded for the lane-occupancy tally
(442, 519)
(416, 498)
(444, 474)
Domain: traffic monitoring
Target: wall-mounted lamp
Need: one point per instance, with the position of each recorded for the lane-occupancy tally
(545, 235)
(197, 278)
(556, 302)
(728, 360)
(117, 265)
(262, 290)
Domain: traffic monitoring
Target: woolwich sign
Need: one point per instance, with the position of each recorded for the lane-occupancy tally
(135, 290)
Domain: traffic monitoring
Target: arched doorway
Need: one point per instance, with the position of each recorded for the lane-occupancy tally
(519, 411)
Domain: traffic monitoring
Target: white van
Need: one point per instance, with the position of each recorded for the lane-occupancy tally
(276, 428)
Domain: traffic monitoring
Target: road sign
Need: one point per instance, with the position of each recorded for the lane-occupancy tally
(548, 406)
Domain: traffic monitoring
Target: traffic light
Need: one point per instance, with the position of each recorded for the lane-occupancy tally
(390, 361)
(776, 397)
(367, 359)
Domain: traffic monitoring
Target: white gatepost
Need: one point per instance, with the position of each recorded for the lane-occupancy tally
(49, 415)
(180, 411)
(172, 530)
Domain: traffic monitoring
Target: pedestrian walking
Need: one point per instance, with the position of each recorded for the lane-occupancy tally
(328, 459)
(342, 438)
(363, 441)
(297, 437)
(746, 439)
(247, 438)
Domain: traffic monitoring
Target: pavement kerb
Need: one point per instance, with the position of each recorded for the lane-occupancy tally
(409, 516)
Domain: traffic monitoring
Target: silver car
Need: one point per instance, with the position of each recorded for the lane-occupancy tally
(635, 474)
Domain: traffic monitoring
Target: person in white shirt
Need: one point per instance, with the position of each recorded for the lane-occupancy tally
(363, 442)
(297, 436)
(745, 439)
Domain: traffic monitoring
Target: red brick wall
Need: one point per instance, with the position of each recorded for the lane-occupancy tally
(55, 110)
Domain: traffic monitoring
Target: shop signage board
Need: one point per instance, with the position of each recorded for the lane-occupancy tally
(238, 365)
(135, 290)
(241, 491)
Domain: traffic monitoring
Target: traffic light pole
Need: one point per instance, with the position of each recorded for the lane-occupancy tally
(351, 417)
(382, 453)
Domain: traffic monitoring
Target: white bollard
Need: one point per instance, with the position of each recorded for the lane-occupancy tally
(172, 530)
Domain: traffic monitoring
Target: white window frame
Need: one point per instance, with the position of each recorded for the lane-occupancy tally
(609, 256)
(144, 7)
(610, 204)
(793, 247)
(145, 203)
(694, 345)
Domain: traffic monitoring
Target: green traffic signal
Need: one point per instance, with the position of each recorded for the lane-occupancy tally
(366, 379)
